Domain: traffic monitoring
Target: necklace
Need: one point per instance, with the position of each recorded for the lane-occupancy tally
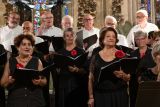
(24, 60)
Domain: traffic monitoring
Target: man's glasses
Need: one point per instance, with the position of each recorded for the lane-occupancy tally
(14, 18)
(110, 24)
(140, 17)
(139, 39)
(26, 28)
(48, 18)
(88, 19)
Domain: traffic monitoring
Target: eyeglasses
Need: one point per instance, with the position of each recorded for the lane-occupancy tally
(26, 28)
(48, 18)
(14, 18)
(88, 19)
(110, 24)
(140, 17)
(139, 39)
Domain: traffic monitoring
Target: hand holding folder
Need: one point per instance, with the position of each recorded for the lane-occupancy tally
(24, 76)
(61, 60)
(125, 64)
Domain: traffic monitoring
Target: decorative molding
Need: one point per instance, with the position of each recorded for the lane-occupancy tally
(9, 8)
(116, 9)
(85, 7)
(20, 7)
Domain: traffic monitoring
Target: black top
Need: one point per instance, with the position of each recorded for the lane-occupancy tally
(119, 47)
(72, 86)
(2, 92)
(2, 50)
(25, 96)
(66, 76)
(110, 84)
(145, 62)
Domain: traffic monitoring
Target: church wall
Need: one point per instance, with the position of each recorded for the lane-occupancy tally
(103, 8)
(3, 11)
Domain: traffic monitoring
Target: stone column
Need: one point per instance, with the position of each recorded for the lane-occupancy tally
(75, 13)
(2, 12)
(100, 13)
(153, 11)
(125, 9)
(132, 8)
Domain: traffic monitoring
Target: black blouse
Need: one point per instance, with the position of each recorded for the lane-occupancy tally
(96, 64)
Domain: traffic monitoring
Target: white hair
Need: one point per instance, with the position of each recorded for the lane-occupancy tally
(111, 17)
(140, 33)
(144, 12)
(67, 17)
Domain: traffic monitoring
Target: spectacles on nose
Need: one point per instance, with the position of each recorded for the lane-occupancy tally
(88, 19)
(140, 17)
(139, 39)
(110, 24)
(14, 18)
(26, 28)
(48, 18)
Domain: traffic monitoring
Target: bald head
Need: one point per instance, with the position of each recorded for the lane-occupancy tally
(27, 27)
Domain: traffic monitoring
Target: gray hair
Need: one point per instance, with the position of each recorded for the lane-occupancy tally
(112, 18)
(140, 33)
(67, 17)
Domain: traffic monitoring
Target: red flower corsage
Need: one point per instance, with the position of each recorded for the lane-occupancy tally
(19, 66)
(73, 53)
(120, 54)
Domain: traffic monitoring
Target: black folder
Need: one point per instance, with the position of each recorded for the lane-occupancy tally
(125, 64)
(46, 38)
(125, 49)
(62, 61)
(14, 50)
(3, 58)
(57, 42)
(24, 76)
(91, 40)
(42, 47)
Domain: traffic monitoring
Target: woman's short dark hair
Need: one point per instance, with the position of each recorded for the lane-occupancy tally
(150, 34)
(18, 40)
(103, 32)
